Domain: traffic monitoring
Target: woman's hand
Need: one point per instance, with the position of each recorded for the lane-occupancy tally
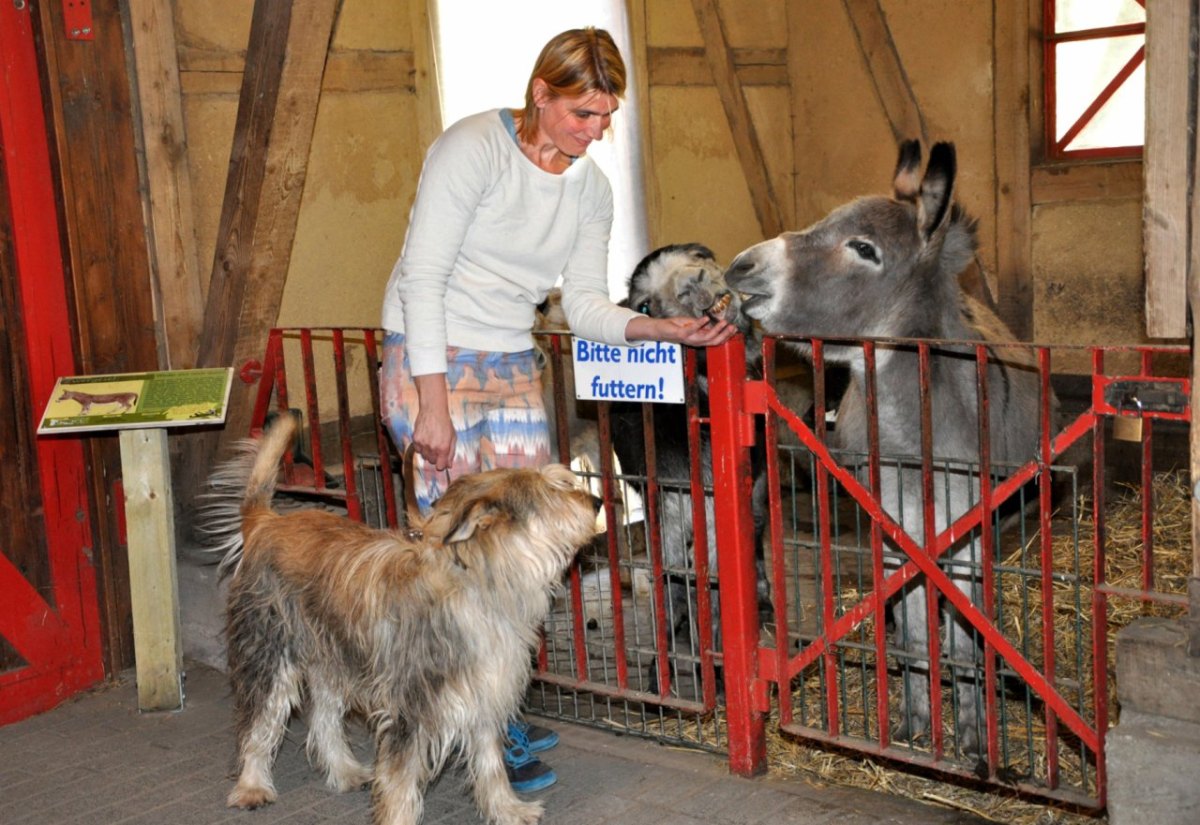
(433, 431)
(695, 332)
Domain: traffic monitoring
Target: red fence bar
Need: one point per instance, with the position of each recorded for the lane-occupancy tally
(382, 440)
(1099, 598)
(700, 548)
(732, 434)
(930, 531)
(313, 406)
(987, 556)
(650, 502)
(778, 572)
(1045, 508)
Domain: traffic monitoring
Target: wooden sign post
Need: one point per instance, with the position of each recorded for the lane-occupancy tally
(142, 406)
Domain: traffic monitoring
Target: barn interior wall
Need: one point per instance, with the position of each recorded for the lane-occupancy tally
(824, 134)
(362, 170)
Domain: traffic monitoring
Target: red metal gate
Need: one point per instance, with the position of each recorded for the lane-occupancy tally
(826, 666)
(1072, 710)
(49, 622)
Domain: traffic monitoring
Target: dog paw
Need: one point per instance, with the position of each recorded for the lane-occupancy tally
(250, 797)
(520, 813)
(351, 779)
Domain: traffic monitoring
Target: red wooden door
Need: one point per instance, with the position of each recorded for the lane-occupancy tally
(49, 620)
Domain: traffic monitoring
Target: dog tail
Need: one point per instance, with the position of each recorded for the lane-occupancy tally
(240, 486)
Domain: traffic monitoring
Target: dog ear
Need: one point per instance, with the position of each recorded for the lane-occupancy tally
(480, 515)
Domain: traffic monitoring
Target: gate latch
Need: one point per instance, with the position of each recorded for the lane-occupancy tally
(1140, 396)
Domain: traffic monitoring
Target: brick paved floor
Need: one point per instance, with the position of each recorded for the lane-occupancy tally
(96, 760)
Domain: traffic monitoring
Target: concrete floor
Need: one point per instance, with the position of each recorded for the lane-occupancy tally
(97, 760)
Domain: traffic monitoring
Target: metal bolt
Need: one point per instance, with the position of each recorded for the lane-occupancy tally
(19, 5)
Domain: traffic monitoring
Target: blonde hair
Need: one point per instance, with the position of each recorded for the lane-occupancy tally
(573, 63)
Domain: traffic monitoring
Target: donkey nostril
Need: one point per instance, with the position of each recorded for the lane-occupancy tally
(740, 268)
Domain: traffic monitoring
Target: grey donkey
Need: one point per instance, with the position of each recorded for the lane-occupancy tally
(889, 267)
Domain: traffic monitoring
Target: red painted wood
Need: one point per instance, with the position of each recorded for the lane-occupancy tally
(67, 659)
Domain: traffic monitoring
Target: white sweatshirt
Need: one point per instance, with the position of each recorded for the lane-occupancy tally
(489, 234)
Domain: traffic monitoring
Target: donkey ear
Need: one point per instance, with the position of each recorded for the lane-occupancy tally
(937, 189)
(906, 183)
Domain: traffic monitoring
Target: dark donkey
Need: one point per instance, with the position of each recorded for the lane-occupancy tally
(889, 268)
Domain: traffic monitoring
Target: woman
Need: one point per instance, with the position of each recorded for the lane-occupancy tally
(508, 203)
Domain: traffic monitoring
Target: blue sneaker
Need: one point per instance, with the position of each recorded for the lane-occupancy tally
(534, 738)
(526, 773)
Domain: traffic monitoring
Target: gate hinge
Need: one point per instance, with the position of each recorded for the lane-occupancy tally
(77, 19)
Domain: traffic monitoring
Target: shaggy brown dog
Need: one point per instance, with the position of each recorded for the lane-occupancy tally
(427, 633)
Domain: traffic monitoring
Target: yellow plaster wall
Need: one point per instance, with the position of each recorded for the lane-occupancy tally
(362, 168)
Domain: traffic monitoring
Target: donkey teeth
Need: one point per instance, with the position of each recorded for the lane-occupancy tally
(721, 304)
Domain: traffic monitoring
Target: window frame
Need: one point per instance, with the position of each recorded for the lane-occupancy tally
(1055, 150)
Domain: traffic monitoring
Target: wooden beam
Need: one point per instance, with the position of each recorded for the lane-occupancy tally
(1192, 281)
(1165, 215)
(174, 260)
(1012, 285)
(424, 70)
(886, 71)
(733, 100)
(639, 58)
(679, 66)
(350, 70)
(285, 63)
(106, 245)
(1086, 182)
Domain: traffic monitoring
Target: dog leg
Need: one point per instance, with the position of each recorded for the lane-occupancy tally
(401, 775)
(327, 746)
(259, 740)
(493, 794)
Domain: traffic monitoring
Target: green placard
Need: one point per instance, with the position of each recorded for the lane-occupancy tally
(179, 398)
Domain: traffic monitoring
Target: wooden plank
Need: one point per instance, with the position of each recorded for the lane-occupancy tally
(346, 71)
(679, 66)
(639, 59)
(1012, 285)
(886, 71)
(153, 582)
(268, 161)
(737, 112)
(1193, 291)
(425, 85)
(1165, 215)
(175, 262)
(1086, 181)
(89, 98)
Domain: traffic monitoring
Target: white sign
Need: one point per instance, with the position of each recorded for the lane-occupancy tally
(651, 371)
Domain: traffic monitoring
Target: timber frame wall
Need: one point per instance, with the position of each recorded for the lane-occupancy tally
(144, 298)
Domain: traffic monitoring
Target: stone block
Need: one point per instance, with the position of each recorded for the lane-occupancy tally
(1153, 771)
(1155, 672)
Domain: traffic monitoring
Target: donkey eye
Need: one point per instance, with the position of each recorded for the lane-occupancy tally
(864, 250)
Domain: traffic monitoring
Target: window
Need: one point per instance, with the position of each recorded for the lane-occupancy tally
(485, 54)
(1095, 78)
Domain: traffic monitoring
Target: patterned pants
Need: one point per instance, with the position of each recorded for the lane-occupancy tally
(495, 405)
